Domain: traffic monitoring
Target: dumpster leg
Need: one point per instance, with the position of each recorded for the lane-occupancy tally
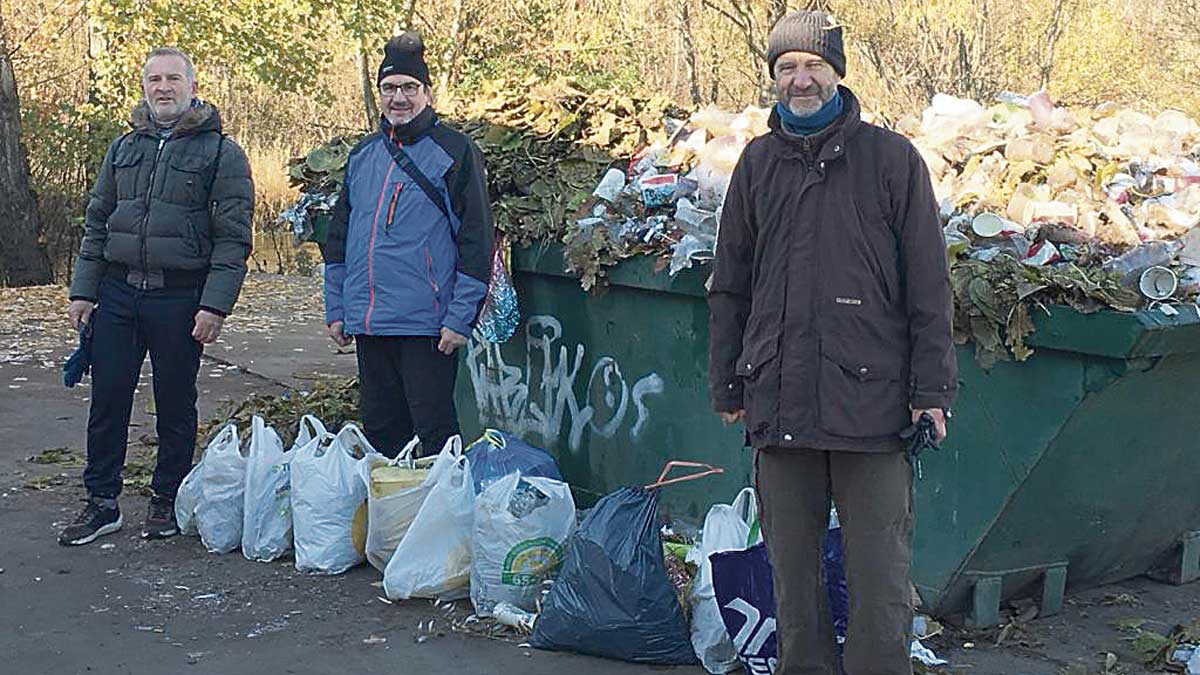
(1054, 587)
(985, 608)
(1185, 568)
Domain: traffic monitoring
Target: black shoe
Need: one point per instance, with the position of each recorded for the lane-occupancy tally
(96, 521)
(160, 519)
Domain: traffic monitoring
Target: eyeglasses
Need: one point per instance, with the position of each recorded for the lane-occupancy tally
(408, 88)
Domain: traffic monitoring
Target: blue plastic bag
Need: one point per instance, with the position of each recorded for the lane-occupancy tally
(743, 582)
(612, 597)
(498, 453)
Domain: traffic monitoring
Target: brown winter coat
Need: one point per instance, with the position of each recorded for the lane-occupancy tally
(830, 295)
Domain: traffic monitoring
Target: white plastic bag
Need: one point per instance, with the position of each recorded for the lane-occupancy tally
(727, 527)
(390, 516)
(521, 524)
(222, 482)
(189, 495)
(433, 559)
(267, 524)
(310, 428)
(326, 493)
(186, 500)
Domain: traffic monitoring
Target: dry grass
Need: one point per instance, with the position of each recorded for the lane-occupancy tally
(274, 250)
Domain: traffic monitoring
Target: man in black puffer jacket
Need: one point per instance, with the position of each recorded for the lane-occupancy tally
(163, 257)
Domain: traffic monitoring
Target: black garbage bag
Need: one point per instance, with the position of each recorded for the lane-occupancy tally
(612, 597)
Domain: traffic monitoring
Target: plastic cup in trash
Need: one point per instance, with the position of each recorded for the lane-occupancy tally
(1158, 283)
(991, 225)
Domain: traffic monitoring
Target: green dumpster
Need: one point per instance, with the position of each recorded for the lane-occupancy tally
(1075, 468)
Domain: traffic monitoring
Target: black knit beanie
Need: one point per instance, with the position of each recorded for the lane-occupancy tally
(404, 55)
(807, 31)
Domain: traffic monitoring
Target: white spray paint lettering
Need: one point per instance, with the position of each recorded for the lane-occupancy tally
(540, 398)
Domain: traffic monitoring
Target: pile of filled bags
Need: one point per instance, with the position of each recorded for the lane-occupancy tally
(495, 522)
(489, 521)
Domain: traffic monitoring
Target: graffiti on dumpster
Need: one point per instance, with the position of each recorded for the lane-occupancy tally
(539, 398)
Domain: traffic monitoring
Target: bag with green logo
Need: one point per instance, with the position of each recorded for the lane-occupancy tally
(521, 524)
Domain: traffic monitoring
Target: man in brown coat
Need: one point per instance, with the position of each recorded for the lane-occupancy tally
(830, 334)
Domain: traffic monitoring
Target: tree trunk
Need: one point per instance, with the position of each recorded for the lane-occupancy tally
(410, 14)
(1053, 33)
(22, 259)
(776, 9)
(370, 107)
(449, 74)
(684, 17)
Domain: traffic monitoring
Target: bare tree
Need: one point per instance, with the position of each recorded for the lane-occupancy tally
(1054, 31)
(744, 16)
(368, 86)
(410, 14)
(22, 259)
(683, 18)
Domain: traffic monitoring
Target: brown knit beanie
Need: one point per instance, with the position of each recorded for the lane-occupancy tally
(807, 31)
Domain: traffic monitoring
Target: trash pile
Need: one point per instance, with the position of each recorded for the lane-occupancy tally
(1094, 208)
(1089, 207)
(668, 200)
(546, 144)
(496, 523)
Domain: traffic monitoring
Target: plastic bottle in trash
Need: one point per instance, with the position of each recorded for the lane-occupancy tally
(1135, 260)
(525, 499)
(510, 615)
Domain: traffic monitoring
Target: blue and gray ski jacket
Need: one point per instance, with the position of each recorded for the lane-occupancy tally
(394, 263)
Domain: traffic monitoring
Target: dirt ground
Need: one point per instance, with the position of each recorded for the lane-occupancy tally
(122, 605)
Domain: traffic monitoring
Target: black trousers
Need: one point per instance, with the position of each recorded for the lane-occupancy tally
(126, 324)
(406, 388)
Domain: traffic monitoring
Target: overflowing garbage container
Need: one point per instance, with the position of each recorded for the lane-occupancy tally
(1073, 468)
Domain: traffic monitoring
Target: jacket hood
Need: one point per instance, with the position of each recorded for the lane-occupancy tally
(197, 119)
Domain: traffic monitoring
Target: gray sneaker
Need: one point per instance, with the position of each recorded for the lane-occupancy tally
(94, 522)
(160, 518)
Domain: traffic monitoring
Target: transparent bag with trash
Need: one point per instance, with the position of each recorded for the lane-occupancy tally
(521, 524)
(327, 493)
(209, 501)
(433, 560)
(267, 525)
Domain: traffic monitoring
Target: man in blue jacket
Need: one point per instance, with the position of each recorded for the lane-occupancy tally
(408, 258)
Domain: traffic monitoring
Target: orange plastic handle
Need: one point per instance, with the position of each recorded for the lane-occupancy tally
(709, 470)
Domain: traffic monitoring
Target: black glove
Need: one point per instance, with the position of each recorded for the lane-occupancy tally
(920, 437)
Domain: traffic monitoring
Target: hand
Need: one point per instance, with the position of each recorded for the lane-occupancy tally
(939, 421)
(733, 417)
(450, 341)
(335, 333)
(80, 312)
(208, 327)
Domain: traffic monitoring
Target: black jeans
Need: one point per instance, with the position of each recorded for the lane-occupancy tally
(127, 323)
(406, 387)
